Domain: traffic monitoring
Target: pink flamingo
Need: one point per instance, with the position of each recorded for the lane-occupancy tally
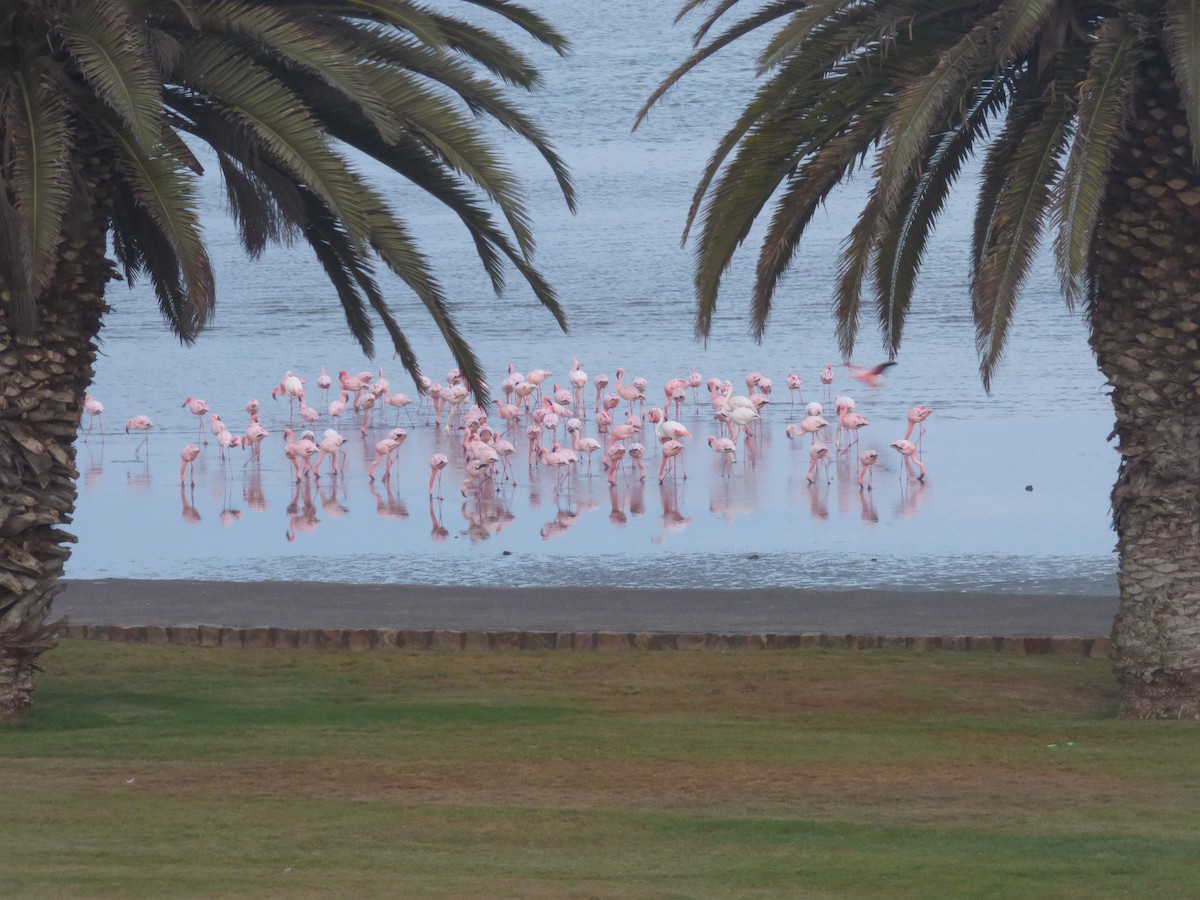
(95, 410)
(199, 409)
(253, 438)
(817, 454)
(695, 380)
(808, 425)
(365, 403)
(867, 468)
(226, 442)
(437, 462)
(612, 460)
(338, 406)
(558, 460)
(628, 392)
(299, 452)
(827, 375)
(916, 419)
(637, 453)
(601, 382)
(293, 386)
(851, 422)
(384, 451)
(671, 451)
(726, 449)
(589, 446)
(536, 377)
(307, 414)
(908, 450)
(534, 433)
(142, 424)
(739, 421)
(401, 402)
(505, 450)
(478, 471)
(324, 382)
(578, 379)
(872, 377)
(795, 386)
(188, 454)
(331, 446)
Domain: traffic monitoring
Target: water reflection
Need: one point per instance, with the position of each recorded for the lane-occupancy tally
(672, 519)
(302, 512)
(389, 506)
(187, 497)
(437, 530)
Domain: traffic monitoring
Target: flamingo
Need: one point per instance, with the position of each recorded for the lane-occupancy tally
(188, 454)
(694, 382)
(726, 449)
(226, 442)
(401, 402)
(817, 454)
(252, 406)
(253, 438)
(795, 386)
(437, 462)
(384, 450)
(739, 421)
(867, 467)
(814, 409)
(612, 460)
(851, 422)
(534, 433)
(671, 450)
(637, 452)
(478, 471)
(95, 409)
(870, 377)
(142, 424)
(601, 382)
(505, 450)
(808, 425)
(559, 460)
(578, 379)
(299, 452)
(365, 403)
(331, 446)
(628, 392)
(536, 377)
(589, 446)
(199, 409)
(908, 450)
(826, 376)
(916, 419)
(293, 386)
(324, 382)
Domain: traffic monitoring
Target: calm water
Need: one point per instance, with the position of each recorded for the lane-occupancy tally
(625, 283)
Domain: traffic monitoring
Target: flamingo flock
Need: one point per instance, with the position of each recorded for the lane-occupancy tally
(562, 426)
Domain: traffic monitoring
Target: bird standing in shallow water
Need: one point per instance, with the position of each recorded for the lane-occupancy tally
(437, 462)
(916, 419)
(142, 424)
(908, 450)
(866, 471)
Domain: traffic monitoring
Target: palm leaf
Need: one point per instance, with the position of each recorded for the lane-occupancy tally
(110, 49)
(1103, 109)
(1181, 39)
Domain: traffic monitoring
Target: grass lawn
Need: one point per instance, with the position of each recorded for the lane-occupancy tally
(153, 771)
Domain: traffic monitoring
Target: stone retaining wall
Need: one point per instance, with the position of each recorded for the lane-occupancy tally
(392, 639)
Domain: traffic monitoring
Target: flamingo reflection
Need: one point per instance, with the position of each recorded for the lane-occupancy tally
(390, 507)
(302, 512)
(252, 491)
(437, 531)
(672, 519)
(187, 497)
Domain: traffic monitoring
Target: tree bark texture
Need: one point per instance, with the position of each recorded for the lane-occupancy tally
(1145, 331)
(43, 380)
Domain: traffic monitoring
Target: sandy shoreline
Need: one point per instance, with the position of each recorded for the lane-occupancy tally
(778, 611)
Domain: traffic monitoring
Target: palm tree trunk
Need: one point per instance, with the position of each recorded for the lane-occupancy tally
(42, 384)
(1145, 329)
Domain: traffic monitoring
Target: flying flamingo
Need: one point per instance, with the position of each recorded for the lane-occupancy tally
(95, 409)
(188, 454)
(867, 471)
(872, 377)
(437, 462)
(142, 424)
(916, 419)
(199, 409)
(908, 450)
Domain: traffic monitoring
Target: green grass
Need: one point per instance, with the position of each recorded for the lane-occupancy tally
(149, 771)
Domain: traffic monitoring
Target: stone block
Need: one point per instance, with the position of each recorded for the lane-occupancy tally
(331, 639)
(387, 639)
(861, 641)
(927, 643)
(612, 640)
(360, 639)
(1012, 645)
(539, 640)
(444, 639)
(505, 640)
(691, 640)
(415, 640)
(156, 634)
(210, 636)
(894, 642)
(1101, 648)
(475, 640)
(308, 638)
(1062, 645)
(184, 635)
(956, 642)
(583, 640)
(983, 644)
(564, 640)
(748, 641)
(258, 638)
(810, 640)
(286, 638)
(231, 637)
(1037, 646)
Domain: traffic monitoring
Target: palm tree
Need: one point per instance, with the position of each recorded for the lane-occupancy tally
(1087, 117)
(102, 103)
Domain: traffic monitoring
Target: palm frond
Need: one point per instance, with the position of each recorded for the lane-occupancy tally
(1103, 109)
(109, 47)
(1181, 39)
